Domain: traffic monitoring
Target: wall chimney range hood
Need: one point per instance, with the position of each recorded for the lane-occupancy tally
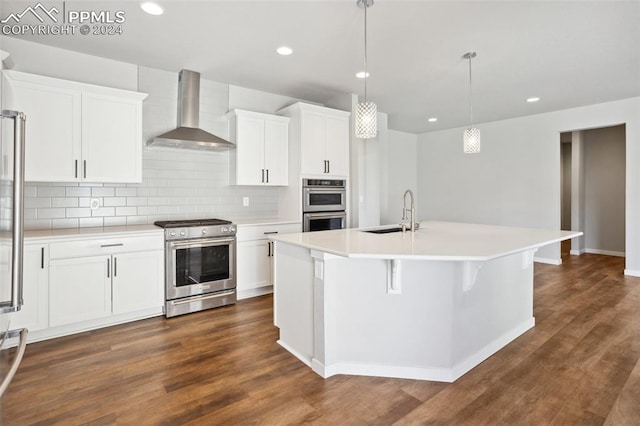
(188, 135)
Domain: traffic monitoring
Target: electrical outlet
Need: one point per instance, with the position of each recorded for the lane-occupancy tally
(245, 201)
(95, 203)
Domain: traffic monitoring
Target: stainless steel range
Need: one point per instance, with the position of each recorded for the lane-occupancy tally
(200, 265)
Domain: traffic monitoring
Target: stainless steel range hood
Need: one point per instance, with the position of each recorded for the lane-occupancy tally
(188, 135)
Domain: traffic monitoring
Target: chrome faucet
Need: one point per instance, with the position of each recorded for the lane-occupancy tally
(413, 226)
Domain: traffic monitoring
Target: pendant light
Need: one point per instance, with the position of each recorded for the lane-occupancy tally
(471, 134)
(366, 112)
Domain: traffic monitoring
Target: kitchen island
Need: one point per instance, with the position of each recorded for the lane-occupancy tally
(430, 304)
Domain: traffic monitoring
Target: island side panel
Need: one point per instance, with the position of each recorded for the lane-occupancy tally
(369, 331)
(293, 299)
(497, 308)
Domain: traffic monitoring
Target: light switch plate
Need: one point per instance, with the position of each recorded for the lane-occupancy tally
(245, 201)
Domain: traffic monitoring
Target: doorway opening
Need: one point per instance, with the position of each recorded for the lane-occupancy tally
(593, 174)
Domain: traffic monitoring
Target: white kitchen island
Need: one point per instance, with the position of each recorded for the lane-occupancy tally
(430, 304)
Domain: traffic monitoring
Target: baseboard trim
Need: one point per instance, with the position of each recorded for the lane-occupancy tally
(547, 260)
(437, 374)
(605, 252)
(577, 252)
(632, 273)
(254, 292)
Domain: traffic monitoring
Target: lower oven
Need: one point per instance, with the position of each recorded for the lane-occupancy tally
(200, 274)
(323, 221)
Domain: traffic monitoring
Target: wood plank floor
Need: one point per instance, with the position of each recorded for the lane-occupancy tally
(579, 365)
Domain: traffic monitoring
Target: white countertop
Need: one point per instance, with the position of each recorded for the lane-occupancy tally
(433, 241)
(269, 221)
(106, 231)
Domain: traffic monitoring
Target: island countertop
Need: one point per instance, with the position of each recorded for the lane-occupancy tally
(432, 241)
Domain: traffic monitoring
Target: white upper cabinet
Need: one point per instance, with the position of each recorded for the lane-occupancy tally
(322, 135)
(77, 132)
(261, 156)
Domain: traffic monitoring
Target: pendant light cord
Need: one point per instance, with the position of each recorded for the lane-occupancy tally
(470, 96)
(366, 74)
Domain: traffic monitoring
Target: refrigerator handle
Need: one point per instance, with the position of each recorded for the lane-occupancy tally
(19, 120)
(17, 359)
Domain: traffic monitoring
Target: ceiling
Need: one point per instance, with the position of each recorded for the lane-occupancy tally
(568, 53)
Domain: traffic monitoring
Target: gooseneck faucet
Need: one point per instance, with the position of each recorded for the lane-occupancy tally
(412, 211)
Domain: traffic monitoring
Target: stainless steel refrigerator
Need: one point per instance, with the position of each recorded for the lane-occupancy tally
(11, 242)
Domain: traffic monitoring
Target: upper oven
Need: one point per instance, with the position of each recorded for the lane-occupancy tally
(323, 195)
(200, 266)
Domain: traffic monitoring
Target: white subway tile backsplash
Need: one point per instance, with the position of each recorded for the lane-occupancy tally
(137, 201)
(64, 223)
(64, 202)
(126, 192)
(78, 212)
(102, 192)
(51, 191)
(114, 201)
(103, 211)
(115, 221)
(50, 213)
(126, 211)
(33, 203)
(89, 222)
(137, 220)
(78, 191)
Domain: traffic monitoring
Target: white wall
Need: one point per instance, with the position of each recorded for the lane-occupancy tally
(401, 170)
(605, 190)
(515, 180)
(565, 222)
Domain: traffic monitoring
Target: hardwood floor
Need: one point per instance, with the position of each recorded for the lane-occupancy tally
(580, 364)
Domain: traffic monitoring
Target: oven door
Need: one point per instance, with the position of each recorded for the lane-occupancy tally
(200, 266)
(323, 221)
(323, 199)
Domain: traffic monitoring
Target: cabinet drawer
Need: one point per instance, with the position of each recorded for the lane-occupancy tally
(261, 232)
(109, 245)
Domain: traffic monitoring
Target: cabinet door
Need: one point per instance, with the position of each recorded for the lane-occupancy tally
(249, 151)
(337, 145)
(254, 265)
(79, 289)
(52, 138)
(312, 143)
(111, 139)
(276, 152)
(138, 281)
(34, 314)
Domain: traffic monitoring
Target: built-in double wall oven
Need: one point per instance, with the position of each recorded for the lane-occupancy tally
(324, 204)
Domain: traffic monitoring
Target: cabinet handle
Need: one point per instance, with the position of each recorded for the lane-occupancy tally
(325, 166)
(41, 257)
(76, 168)
(267, 175)
(268, 248)
(115, 267)
(262, 175)
(85, 168)
(270, 232)
(108, 268)
(111, 245)
(328, 166)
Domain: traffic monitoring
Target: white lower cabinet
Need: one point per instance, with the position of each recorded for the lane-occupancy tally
(34, 314)
(255, 257)
(80, 289)
(135, 281)
(85, 282)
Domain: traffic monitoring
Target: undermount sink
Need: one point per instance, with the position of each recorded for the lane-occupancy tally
(384, 230)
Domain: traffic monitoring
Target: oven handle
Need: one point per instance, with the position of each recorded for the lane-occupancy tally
(201, 243)
(338, 214)
(206, 297)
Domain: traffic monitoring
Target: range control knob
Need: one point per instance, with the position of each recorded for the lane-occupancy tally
(173, 234)
(204, 231)
(182, 233)
(225, 229)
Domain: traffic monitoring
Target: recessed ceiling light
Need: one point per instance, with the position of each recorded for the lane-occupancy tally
(284, 50)
(362, 74)
(152, 8)
(433, 120)
(534, 99)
